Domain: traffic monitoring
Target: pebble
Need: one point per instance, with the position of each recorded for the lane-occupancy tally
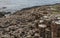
(42, 25)
(41, 21)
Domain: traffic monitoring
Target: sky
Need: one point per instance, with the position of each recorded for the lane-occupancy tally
(19, 4)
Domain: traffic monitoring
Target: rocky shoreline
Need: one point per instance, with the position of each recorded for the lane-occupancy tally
(27, 23)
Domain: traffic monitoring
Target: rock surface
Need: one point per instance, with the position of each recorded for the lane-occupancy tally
(25, 23)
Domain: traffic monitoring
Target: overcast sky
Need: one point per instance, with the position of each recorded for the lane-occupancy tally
(15, 4)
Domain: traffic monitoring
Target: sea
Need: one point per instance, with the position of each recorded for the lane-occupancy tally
(14, 5)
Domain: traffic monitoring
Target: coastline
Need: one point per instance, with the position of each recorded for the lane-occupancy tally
(29, 22)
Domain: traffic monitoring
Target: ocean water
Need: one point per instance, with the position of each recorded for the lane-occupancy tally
(13, 5)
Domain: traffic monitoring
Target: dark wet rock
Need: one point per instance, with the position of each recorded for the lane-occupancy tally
(2, 14)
